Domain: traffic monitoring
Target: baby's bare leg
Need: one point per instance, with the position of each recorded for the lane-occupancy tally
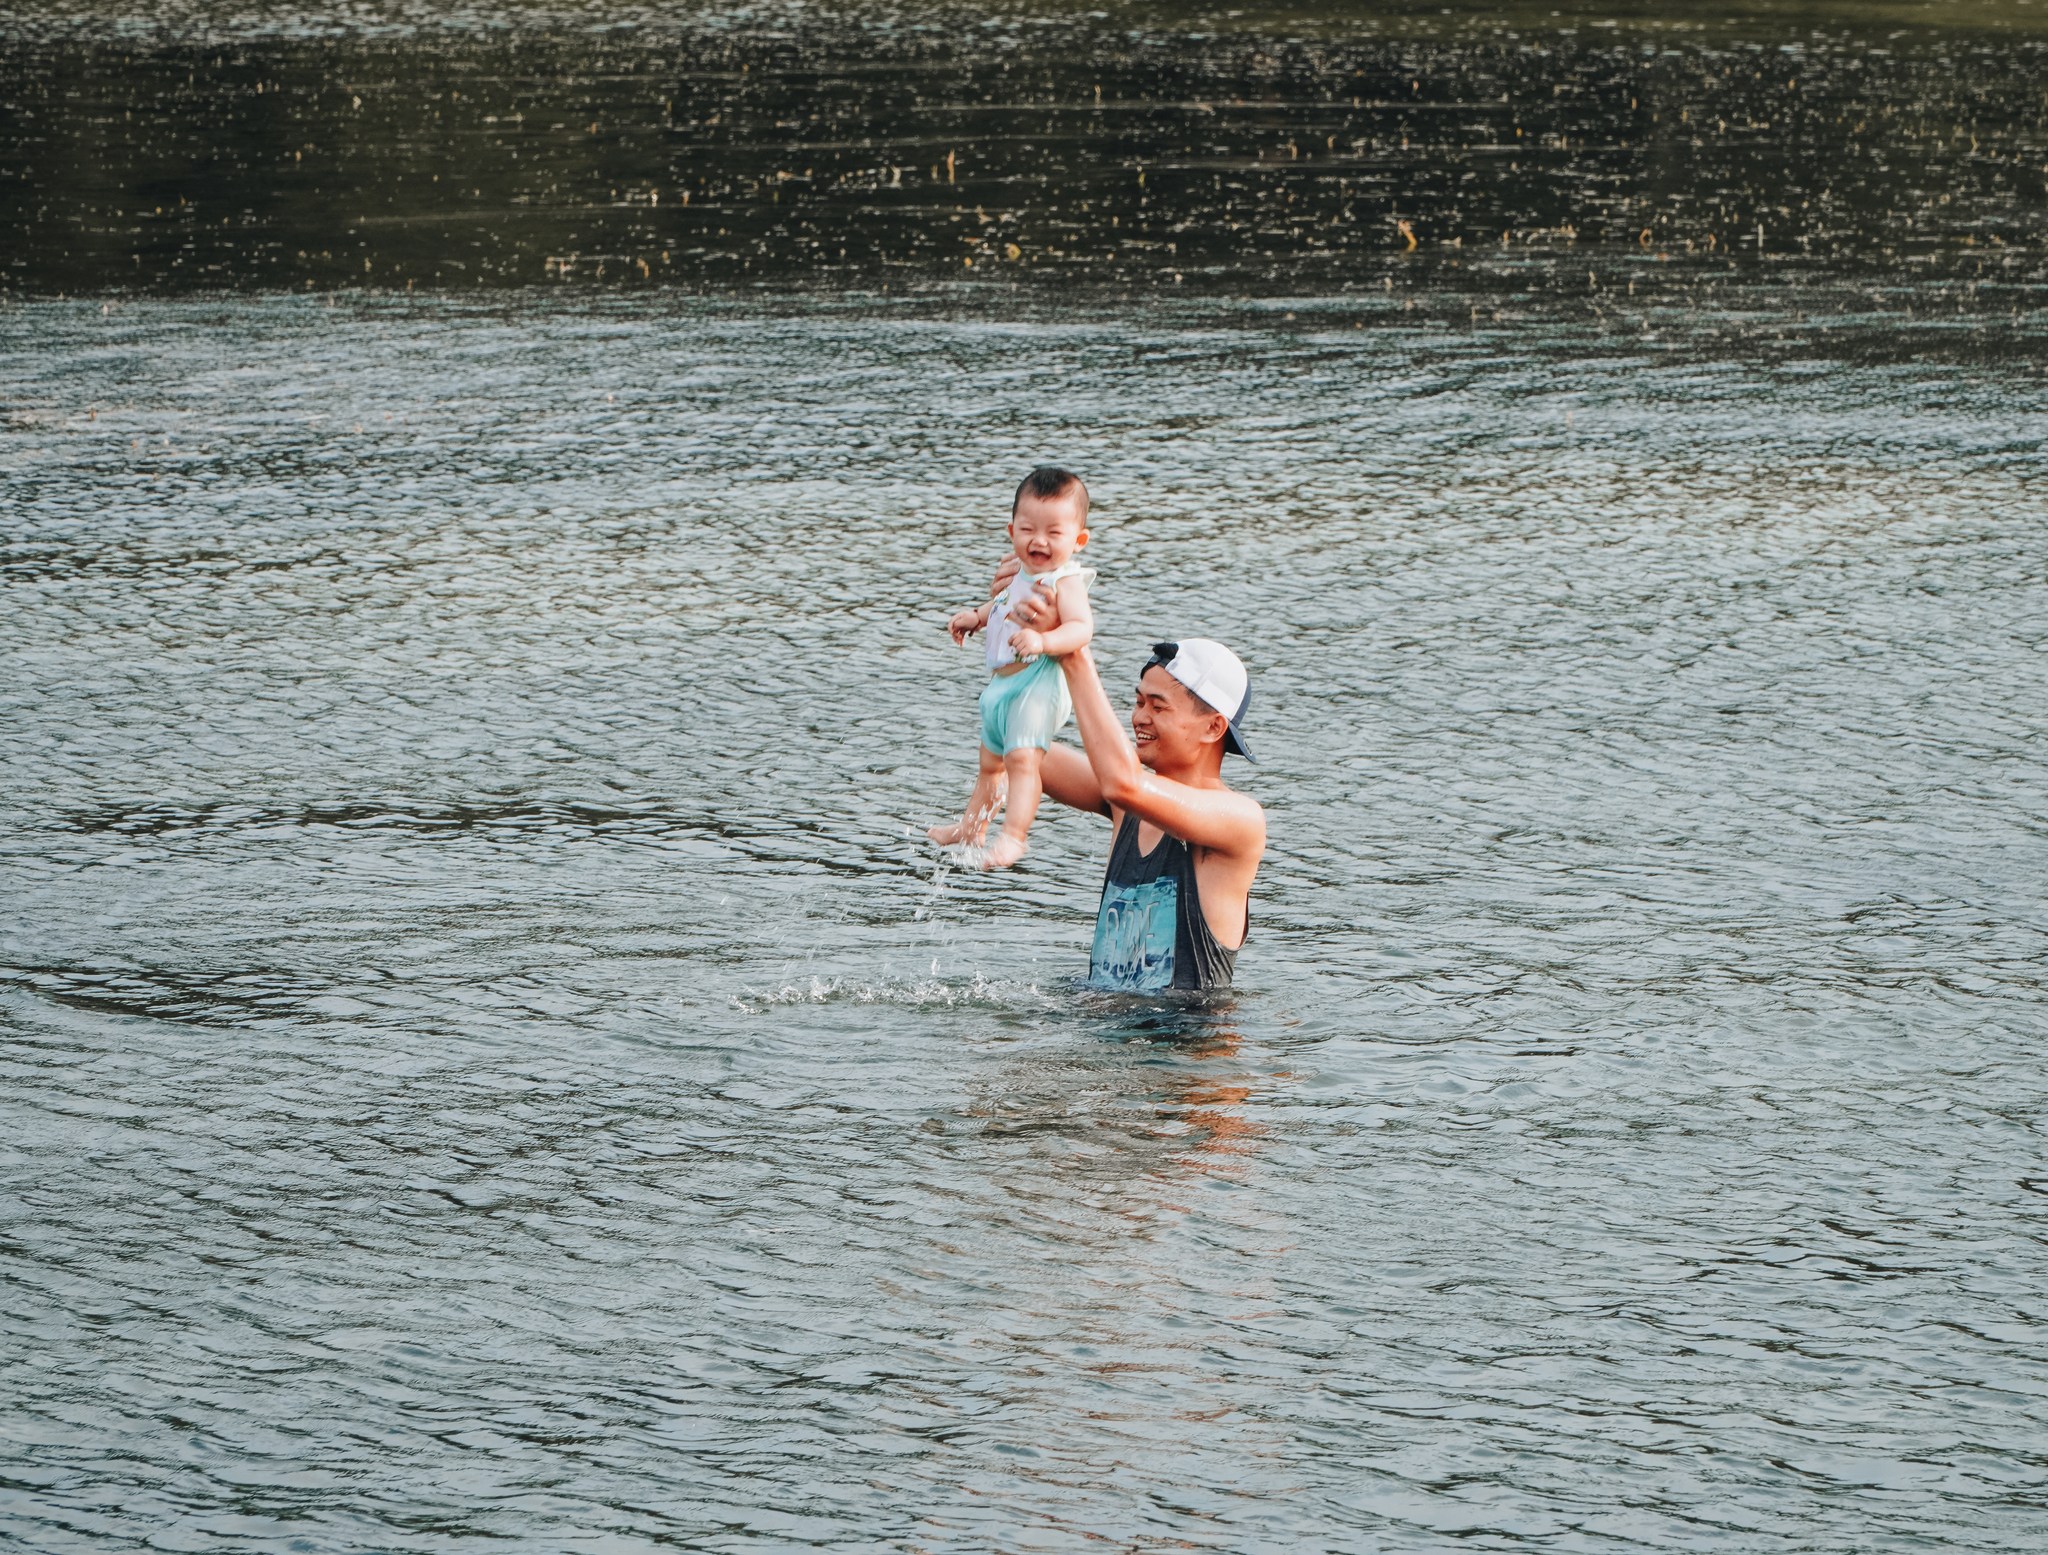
(1025, 768)
(986, 799)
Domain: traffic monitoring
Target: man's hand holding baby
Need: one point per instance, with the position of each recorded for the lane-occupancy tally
(1037, 613)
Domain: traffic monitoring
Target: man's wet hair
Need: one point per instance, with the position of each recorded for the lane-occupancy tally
(1047, 482)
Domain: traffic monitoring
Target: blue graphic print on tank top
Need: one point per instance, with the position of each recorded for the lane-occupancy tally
(1134, 936)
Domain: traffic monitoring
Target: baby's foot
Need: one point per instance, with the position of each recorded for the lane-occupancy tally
(948, 836)
(1004, 852)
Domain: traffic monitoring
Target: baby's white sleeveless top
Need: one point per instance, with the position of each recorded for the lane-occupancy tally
(1001, 630)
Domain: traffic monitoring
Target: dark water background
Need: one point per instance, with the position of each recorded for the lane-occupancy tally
(486, 1057)
(1687, 150)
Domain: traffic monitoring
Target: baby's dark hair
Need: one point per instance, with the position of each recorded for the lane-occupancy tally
(1049, 481)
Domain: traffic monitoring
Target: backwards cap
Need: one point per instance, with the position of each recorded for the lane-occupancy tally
(1214, 674)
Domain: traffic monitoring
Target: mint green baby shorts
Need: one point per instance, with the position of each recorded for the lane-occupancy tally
(1026, 709)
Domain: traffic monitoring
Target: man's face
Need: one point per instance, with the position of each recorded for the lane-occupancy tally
(1167, 725)
(1046, 531)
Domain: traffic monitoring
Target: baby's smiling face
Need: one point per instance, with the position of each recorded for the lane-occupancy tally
(1047, 531)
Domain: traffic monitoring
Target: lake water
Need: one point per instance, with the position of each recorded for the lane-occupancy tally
(490, 1060)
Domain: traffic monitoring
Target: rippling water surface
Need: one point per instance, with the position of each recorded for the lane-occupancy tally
(491, 1062)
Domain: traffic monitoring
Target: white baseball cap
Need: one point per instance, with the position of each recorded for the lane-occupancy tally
(1214, 674)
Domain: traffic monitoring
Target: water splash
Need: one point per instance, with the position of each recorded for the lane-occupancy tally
(932, 992)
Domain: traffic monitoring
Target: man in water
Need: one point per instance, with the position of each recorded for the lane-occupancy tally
(1176, 899)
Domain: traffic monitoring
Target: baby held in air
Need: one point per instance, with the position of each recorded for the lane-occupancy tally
(1026, 699)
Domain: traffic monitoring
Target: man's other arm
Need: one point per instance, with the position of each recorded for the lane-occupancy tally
(1069, 778)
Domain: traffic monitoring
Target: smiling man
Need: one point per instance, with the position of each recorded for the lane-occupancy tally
(1186, 846)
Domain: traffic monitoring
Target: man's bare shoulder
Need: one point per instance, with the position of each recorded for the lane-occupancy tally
(1253, 815)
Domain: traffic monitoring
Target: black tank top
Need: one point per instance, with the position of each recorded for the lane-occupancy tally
(1150, 934)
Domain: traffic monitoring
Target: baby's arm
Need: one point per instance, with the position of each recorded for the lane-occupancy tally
(1076, 628)
(965, 623)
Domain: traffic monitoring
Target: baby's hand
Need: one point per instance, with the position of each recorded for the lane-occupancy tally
(1027, 643)
(965, 624)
